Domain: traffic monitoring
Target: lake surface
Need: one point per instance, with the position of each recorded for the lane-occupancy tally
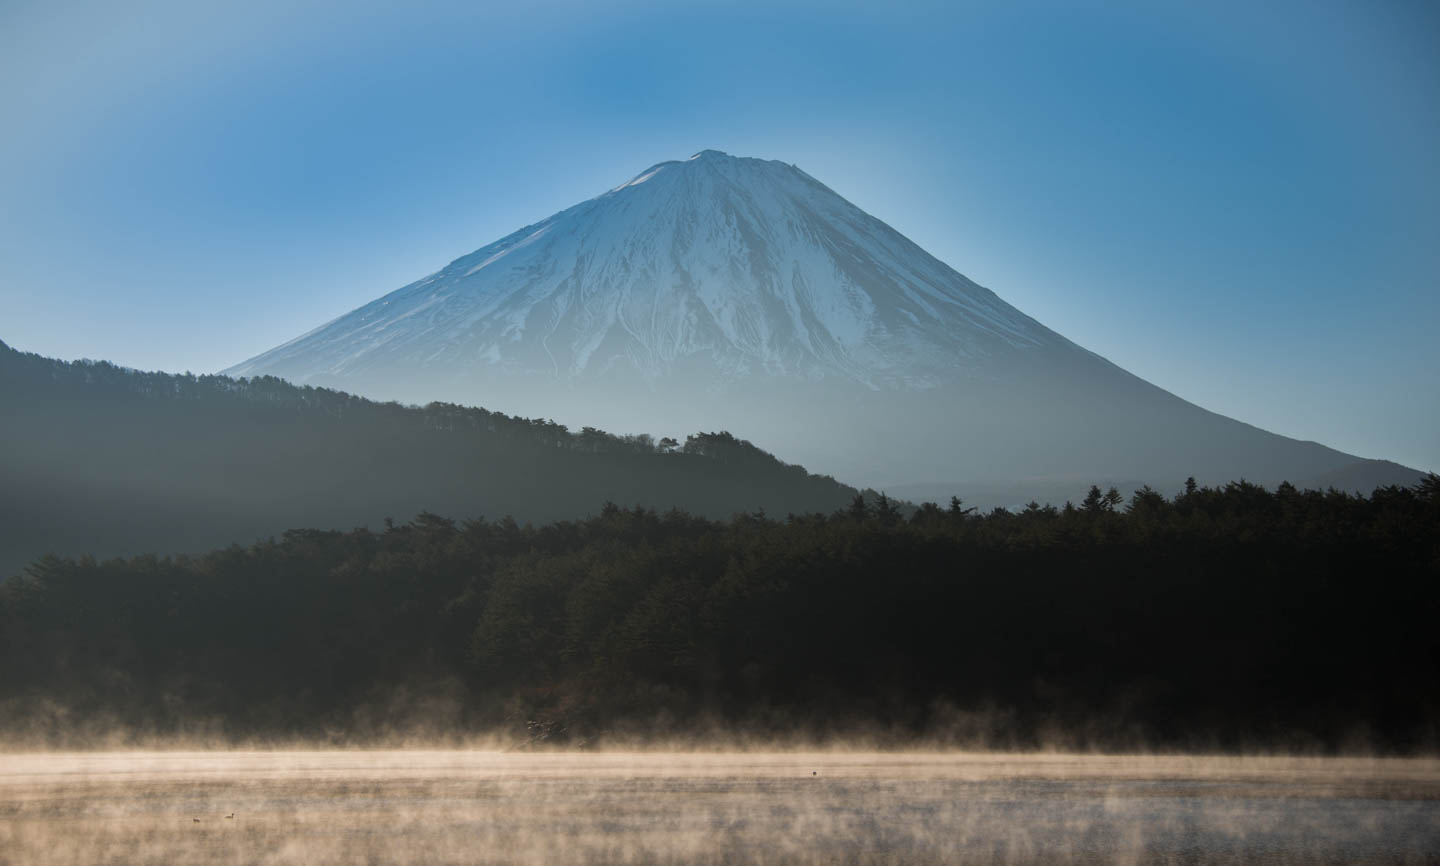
(412, 806)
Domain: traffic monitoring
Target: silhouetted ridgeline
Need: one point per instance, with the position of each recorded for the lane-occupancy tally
(99, 459)
(1230, 617)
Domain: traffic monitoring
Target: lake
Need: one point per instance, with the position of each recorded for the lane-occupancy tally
(459, 806)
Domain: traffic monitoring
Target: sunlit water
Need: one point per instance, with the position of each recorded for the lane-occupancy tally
(835, 807)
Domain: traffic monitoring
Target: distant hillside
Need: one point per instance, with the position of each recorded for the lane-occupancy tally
(103, 460)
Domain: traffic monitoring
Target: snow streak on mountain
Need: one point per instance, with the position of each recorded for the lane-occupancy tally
(747, 266)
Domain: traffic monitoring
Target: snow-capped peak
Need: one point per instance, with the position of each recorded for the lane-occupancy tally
(741, 266)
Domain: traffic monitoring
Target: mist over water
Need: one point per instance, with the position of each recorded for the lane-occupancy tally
(835, 806)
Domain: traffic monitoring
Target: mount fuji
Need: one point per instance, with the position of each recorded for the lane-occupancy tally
(720, 292)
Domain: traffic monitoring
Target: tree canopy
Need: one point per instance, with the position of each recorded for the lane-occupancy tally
(1231, 617)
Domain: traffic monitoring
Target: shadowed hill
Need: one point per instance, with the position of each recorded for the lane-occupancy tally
(103, 460)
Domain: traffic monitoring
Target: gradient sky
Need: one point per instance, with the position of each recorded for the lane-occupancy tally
(1241, 205)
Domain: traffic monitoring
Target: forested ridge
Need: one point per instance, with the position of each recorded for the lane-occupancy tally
(1222, 618)
(106, 460)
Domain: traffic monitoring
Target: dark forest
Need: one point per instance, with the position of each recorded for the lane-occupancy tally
(1227, 618)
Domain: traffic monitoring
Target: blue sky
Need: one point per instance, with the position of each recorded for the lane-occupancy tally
(1239, 202)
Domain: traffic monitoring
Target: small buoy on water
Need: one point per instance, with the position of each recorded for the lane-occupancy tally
(814, 772)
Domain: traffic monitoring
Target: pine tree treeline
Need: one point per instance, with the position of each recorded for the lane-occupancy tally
(1231, 617)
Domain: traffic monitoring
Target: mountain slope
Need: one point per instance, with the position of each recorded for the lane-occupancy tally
(107, 461)
(741, 293)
